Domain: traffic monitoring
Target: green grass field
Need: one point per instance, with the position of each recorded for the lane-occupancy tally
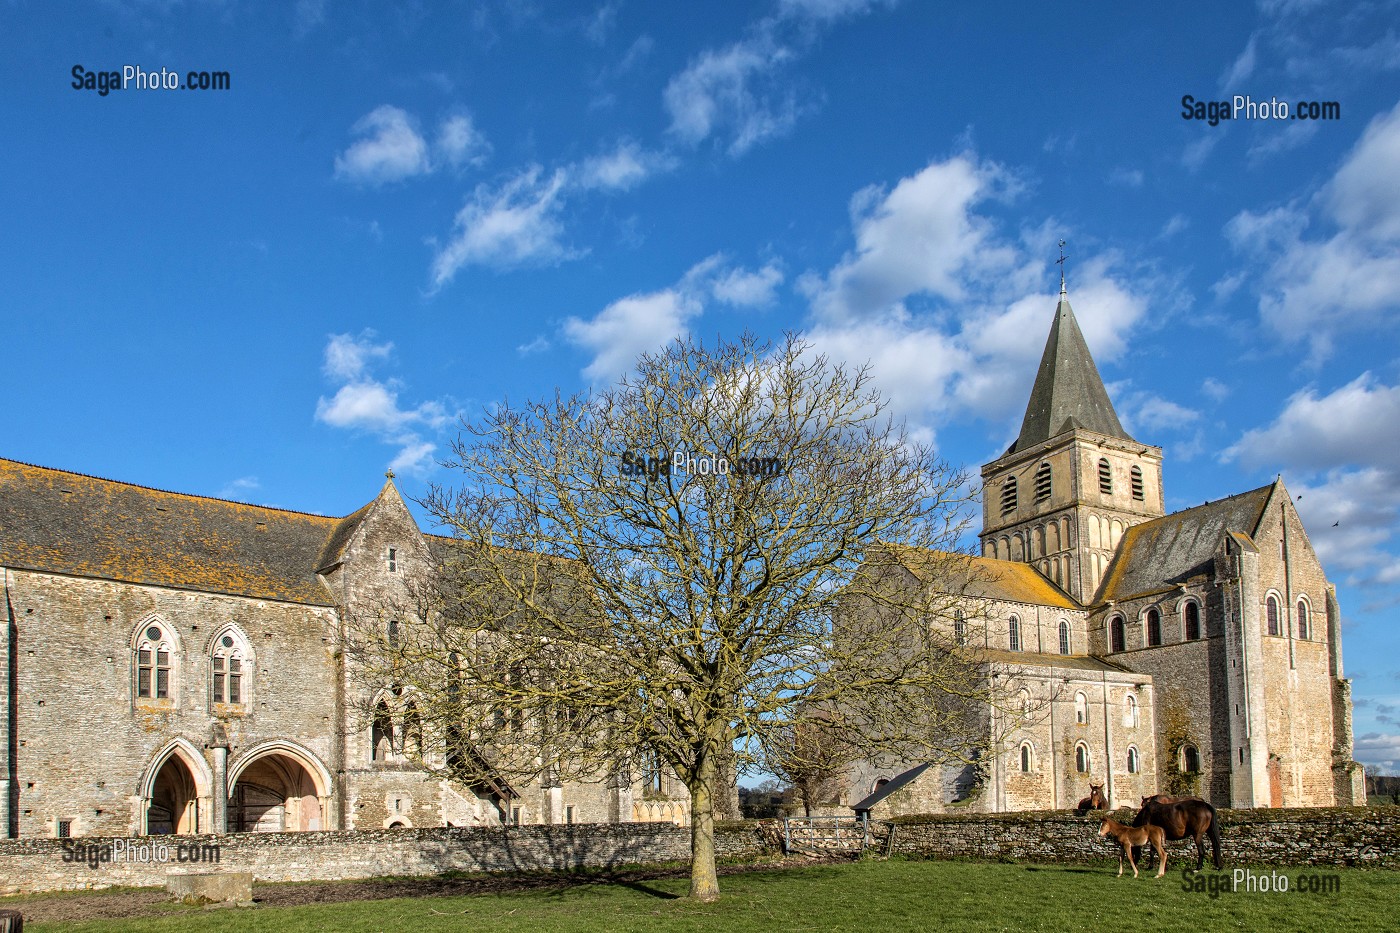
(863, 896)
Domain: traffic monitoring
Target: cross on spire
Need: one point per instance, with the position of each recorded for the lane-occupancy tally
(1061, 263)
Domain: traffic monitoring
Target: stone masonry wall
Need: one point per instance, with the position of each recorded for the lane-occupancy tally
(28, 865)
(1342, 836)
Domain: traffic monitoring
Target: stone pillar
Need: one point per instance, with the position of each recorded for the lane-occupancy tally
(218, 745)
(1251, 786)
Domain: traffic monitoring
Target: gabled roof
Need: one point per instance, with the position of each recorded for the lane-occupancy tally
(982, 577)
(54, 521)
(890, 786)
(1169, 550)
(1068, 392)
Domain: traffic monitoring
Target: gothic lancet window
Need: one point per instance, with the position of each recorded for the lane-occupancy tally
(1064, 637)
(959, 627)
(1117, 635)
(1271, 614)
(1304, 628)
(228, 669)
(381, 734)
(154, 651)
(1014, 634)
(1081, 758)
(1193, 621)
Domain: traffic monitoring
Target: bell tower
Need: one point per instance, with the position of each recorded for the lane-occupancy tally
(1061, 497)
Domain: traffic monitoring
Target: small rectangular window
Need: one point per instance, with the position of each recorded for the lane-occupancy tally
(393, 560)
(569, 814)
(65, 829)
(235, 681)
(143, 681)
(515, 816)
(218, 680)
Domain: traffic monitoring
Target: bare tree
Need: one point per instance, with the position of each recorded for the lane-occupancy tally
(677, 566)
(812, 755)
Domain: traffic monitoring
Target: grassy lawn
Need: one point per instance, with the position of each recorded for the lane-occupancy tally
(864, 896)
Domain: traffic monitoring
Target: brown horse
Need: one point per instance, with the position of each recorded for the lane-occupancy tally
(1095, 801)
(1133, 837)
(1180, 817)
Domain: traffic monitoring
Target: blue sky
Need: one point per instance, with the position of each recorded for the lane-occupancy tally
(276, 292)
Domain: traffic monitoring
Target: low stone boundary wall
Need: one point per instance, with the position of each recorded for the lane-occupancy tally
(1336, 836)
(28, 865)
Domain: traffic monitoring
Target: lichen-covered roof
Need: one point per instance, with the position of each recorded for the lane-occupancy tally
(890, 786)
(1069, 662)
(1170, 550)
(1068, 391)
(54, 521)
(983, 577)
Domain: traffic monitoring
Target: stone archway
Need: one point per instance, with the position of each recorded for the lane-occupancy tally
(174, 802)
(276, 791)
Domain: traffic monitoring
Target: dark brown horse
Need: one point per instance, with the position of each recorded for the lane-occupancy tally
(1180, 817)
(1133, 838)
(1095, 801)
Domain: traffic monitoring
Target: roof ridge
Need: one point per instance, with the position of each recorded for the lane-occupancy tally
(173, 492)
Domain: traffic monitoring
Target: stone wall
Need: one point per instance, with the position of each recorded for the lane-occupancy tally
(28, 865)
(1343, 836)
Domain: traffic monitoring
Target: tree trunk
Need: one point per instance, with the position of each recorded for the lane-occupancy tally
(704, 882)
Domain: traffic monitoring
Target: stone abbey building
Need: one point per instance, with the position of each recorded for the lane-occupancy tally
(169, 664)
(1193, 653)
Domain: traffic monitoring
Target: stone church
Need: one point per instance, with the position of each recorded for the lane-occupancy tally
(169, 664)
(1193, 653)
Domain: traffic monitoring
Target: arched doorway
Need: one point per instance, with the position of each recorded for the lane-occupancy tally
(275, 793)
(174, 803)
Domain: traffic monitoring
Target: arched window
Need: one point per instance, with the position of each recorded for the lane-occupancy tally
(1190, 759)
(653, 780)
(392, 633)
(1025, 696)
(381, 733)
(1117, 635)
(959, 627)
(1304, 630)
(1064, 637)
(1130, 712)
(412, 731)
(1081, 758)
(1135, 483)
(1193, 621)
(229, 665)
(1042, 482)
(1014, 634)
(1105, 477)
(1271, 613)
(1134, 766)
(1154, 628)
(154, 654)
(1008, 496)
(1081, 709)
(1026, 759)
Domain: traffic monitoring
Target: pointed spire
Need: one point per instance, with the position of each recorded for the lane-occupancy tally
(1068, 392)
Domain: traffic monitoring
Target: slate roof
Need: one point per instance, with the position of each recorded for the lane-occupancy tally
(1069, 662)
(1068, 392)
(1166, 551)
(983, 577)
(890, 786)
(54, 521)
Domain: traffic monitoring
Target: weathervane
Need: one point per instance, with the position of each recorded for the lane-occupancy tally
(1061, 263)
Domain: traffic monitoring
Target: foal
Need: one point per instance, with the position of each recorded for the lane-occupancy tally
(1129, 836)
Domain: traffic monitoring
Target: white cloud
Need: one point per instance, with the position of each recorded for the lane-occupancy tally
(365, 403)
(1342, 443)
(629, 327)
(726, 91)
(238, 490)
(922, 237)
(1314, 288)
(1376, 748)
(1174, 225)
(744, 289)
(510, 225)
(1242, 67)
(1216, 390)
(1126, 177)
(1354, 424)
(391, 149)
(460, 143)
(307, 15)
(1154, 413)
(538, 345)
(952, 314)
(622, 169)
